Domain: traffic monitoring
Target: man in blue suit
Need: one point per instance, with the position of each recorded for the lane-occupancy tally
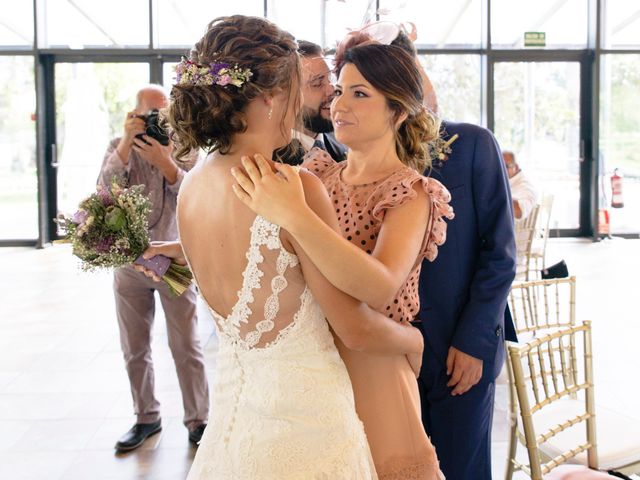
(463, 310)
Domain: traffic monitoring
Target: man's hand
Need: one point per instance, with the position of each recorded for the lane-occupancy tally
(517, 211)
(157, 155)
(465, 371)
(133, 125)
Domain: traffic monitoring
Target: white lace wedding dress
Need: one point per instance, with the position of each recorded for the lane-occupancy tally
(282, 403)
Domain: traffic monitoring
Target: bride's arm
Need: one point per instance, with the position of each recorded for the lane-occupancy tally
(359, 326)
(374, 279)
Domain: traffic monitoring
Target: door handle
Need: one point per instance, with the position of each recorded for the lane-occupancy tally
(54, 156)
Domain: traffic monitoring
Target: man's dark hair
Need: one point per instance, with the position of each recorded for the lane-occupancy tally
(293, 153)
(309, 49)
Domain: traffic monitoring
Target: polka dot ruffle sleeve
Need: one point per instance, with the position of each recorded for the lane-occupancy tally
(436, 232)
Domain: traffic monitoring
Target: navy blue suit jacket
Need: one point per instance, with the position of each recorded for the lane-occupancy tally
(463, 293)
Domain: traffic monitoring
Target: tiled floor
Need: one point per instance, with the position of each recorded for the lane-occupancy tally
(64, 395)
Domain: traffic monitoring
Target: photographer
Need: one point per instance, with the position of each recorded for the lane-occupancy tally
(140, 158)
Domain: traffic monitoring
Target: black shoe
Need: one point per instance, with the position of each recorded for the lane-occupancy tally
(195, 435)
(137, 435)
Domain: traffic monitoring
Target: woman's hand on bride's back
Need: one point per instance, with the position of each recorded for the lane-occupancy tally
(277, 196)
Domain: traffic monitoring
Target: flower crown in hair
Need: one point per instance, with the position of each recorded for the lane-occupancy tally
(215, 73)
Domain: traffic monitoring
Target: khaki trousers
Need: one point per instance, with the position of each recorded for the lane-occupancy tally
(135, 308)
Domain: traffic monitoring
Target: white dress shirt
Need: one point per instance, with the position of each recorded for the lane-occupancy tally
(523, 192)
(306, 140)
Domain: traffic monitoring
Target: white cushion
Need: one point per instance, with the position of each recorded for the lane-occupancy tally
(617, 435)
(576, 472)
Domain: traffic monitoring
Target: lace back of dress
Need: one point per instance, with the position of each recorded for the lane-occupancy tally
(272, 293)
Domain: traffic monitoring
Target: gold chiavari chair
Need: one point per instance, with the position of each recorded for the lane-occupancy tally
(557, 410)
(537, 257)
(536, 306)
(525, 231)
(542, 304)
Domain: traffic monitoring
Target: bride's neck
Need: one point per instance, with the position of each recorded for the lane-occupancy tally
(250, 144)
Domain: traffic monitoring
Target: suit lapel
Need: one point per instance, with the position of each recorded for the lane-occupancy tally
(333, 148)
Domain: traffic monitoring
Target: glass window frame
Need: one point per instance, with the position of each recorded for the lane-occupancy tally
(590, 73)
(28, 46)
(586, 164)
(47, 130)
(43, 42)
(547, 15)
(27, 241)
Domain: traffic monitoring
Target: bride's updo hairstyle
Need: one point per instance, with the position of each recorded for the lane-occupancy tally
(393, 72)
(208, 116)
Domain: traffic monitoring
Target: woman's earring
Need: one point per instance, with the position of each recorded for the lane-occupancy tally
(270, 113)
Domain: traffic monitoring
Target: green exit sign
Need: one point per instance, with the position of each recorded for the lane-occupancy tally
(535, 39)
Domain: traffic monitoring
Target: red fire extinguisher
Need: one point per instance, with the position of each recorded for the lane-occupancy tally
(616, 190)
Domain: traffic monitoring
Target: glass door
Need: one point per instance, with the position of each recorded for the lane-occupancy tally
(620, 142)
(537, 117)
(18, 175)
(91, 102)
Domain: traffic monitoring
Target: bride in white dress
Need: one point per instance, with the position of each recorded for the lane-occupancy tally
(282, 404)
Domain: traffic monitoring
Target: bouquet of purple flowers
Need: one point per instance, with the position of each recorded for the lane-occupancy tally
(110, 229)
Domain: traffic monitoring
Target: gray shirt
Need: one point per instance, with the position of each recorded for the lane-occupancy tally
(162, 219)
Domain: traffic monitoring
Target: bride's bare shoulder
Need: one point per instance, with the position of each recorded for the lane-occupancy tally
(197, 175)
(191, 185)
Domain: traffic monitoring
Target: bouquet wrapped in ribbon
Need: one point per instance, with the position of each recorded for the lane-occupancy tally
(110, 229)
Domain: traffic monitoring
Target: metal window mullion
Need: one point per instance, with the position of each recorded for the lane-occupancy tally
(152, 23)
(45, 140)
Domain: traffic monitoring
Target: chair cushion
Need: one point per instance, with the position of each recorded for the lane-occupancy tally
(576, 472)
(617, 435)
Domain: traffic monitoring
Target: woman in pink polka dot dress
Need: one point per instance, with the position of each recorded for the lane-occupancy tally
(392, 218)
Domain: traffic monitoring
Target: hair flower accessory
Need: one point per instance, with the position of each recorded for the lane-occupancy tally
(215, 73)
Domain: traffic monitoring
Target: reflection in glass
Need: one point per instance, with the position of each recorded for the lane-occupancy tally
(87, 23)
(92, 100)
(621, 24)
(537, 116)
(620, 138)
(304, 20)
(455, 23)
(16, 29)
(168, 74)
(18, 179)
(564, 22)
(456, 79)
(342, 17)
(182, 23)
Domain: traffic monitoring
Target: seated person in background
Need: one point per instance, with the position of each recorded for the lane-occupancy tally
(523, 193)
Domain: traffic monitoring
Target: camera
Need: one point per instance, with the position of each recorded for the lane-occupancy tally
(153, 129)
